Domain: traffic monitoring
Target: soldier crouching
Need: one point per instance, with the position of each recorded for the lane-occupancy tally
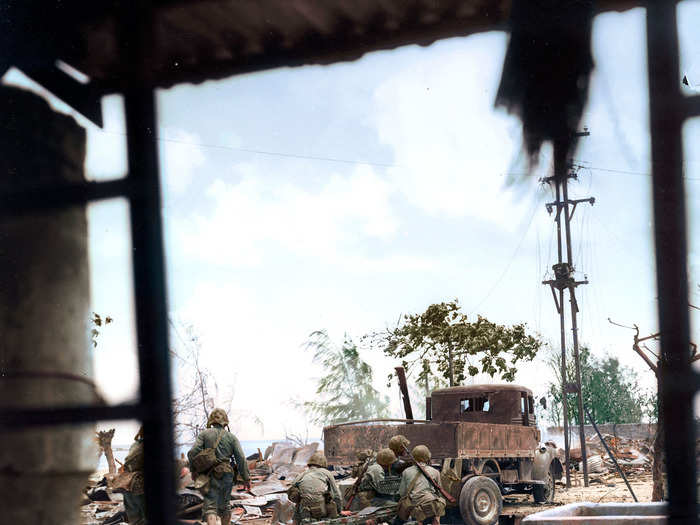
(419, 499)
(379, 487)
(315, 492)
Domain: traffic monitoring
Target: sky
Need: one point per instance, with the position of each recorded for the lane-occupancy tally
(341, 197)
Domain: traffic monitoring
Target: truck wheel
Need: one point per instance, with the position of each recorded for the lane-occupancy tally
(545, 493)
(480, 501)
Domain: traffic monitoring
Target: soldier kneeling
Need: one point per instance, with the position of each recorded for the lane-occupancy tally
(315, 492)
(419, 498)
(379, 486)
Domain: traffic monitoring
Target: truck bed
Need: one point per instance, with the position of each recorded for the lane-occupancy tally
(444, 439)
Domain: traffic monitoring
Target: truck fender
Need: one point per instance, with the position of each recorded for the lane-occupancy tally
(487, 465)
(546, 458)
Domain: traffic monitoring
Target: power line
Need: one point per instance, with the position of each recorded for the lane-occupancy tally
(624, 172)
(512, 257)
(266, 152)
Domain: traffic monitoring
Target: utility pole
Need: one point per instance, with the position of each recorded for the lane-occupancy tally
(564, 280)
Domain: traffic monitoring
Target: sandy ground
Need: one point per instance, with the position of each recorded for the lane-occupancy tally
(602, 489)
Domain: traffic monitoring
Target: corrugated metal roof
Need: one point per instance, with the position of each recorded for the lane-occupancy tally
(207, 39)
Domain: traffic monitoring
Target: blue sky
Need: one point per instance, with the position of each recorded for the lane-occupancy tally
(427, 205)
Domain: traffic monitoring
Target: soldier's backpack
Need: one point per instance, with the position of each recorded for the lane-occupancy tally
(405, 506)
(207, 459)
(134, 460)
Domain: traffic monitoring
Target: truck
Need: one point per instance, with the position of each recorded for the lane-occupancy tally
(484, 441)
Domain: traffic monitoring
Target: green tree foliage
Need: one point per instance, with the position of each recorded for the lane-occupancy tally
(442, 343)
(610, 391)
(345, 391)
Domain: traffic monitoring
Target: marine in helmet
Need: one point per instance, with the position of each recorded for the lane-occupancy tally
(134, 500)
(379, 486)
(216, 483)
(399, 446)
(421, 500)
(315, 492)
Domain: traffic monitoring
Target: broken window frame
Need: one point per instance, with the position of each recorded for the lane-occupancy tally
(472, 403)
(678, 382)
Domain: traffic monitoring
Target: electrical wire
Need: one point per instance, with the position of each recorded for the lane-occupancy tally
(267, 152)
(537, 201)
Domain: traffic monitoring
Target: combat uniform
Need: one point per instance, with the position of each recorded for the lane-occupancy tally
(315, 492)
(134, 499)
(425, 501)
(380, 485)
(221, 477)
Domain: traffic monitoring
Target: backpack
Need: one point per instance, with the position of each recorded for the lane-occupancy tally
(207, 459)
(134, 460)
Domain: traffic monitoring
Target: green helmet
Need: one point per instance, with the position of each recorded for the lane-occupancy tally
(398, 443)
(317, 459)
(217, 417)
(386, 457)
(364, 455)
(421, 453)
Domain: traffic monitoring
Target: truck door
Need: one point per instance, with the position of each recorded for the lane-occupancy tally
(527, 408)
(524, 409)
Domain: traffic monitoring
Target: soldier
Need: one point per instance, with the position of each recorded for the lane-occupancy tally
(419, 498)
(399, 446)
(134, 500)
(363, 456)
(379, 487)
(315, 492)
(221, 476)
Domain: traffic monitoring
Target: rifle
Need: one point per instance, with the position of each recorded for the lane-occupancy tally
(358, 481)
(434, 483)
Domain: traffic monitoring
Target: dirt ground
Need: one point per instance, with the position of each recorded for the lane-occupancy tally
(601, 489)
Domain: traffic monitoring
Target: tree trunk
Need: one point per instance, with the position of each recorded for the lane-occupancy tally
(657, 472)
(451, 364)
(104, 439)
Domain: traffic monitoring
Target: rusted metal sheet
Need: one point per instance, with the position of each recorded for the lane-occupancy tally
(504, 403)
(341, 443)
(445, 440)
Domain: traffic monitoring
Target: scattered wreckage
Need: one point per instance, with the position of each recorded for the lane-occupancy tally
(484, 441)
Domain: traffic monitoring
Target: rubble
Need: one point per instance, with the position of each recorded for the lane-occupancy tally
(633, 455)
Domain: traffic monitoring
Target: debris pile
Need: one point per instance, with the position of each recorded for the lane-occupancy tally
(633, 455)
(271, 474)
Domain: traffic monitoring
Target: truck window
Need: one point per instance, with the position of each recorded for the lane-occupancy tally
(523, 404)
(531, 403)
(474, 404)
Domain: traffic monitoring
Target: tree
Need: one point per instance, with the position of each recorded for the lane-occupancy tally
(639, 345)
(610, 391)
(442, 343)
(197, 392)
(345, 391)
(104, 443)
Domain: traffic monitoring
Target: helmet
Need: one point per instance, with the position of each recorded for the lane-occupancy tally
(217, 417)
(364, 455)
(386, 457)
(398, 443)
(421, 453)
(317, 459)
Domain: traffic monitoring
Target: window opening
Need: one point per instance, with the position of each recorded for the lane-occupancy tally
(474, 404)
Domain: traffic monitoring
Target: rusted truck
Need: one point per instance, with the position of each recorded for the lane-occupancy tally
(483, 438)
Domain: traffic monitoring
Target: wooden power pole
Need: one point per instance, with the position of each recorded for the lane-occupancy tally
(564, 280)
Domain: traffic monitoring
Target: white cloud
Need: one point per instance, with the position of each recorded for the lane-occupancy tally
(251, 214)
(181, 157)
(453, 148)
